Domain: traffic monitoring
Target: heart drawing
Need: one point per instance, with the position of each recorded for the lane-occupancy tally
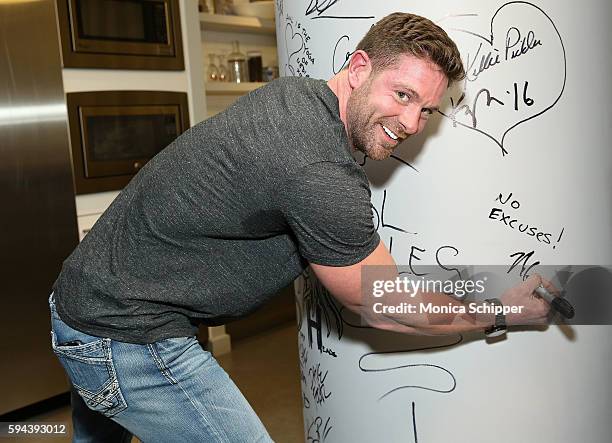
(514, 74)
(294, 44)
(299, 56)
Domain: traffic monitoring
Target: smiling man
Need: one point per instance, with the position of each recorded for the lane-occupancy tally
(394, 81)
(232, 211)
(387, 106)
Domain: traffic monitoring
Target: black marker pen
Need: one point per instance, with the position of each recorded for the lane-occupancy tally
(560, 304)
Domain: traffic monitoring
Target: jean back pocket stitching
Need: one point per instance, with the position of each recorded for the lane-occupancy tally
(115, 389)
(109, 390)
(75, 352)
(109, 397)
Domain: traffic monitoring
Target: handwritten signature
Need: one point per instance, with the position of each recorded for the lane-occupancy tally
(347, 54)
(315, 433)
(520, 100)
(515, 46)
(318, 7)
(303, 57)
(317, 384)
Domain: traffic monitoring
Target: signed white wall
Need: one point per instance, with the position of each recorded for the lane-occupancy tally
(524, 138)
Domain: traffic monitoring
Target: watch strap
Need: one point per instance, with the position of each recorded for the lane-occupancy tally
(499, 327)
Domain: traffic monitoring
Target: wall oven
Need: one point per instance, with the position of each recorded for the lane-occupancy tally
(114, 133)
(120, 34)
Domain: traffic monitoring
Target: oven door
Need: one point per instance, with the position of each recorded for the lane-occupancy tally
(119, 140)
(115, 133)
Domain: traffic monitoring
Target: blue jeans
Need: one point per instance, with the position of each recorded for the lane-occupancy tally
(168, 391)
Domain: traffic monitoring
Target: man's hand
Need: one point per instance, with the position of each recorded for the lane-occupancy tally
(534, 309)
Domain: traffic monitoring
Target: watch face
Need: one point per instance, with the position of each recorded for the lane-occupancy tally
(495, 331)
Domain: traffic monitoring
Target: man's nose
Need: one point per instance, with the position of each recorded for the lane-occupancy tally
(409, 119)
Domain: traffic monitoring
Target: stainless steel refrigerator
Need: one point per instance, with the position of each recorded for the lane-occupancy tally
(37, 209)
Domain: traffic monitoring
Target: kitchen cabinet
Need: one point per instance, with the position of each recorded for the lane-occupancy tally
(217, 33)
(237, 24)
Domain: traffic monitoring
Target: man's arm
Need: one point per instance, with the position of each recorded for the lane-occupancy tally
(344, 283)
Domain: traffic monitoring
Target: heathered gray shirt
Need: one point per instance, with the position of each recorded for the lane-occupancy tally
(213, 226)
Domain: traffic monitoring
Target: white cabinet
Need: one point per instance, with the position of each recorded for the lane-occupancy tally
(236, 24)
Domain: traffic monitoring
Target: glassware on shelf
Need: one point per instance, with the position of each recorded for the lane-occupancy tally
(270, 73)
(255, 66)
(213, 71)
(237, 65)
(206, 6)
(223, 6)
(223, 73)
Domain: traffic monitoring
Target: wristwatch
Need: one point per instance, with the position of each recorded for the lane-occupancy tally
(499, 327)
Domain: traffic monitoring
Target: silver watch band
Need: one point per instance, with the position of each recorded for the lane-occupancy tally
(499, 326)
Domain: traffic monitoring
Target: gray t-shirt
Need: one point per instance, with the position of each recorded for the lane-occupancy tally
(220, 220)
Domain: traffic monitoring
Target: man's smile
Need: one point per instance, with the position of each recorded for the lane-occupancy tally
(390, 133)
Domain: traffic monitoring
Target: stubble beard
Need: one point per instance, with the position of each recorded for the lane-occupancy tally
(361, 130)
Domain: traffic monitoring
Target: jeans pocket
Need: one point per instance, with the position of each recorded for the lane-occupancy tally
(89, 365)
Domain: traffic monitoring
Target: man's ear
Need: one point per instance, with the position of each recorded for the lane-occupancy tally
(359, 68)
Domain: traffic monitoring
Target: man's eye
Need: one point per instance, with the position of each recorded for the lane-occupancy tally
(403, 96)
(427, 111)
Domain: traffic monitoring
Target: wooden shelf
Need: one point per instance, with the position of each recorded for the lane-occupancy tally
(226, 88)
(236, 23)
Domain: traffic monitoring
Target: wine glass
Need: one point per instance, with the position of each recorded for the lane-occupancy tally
(213, 71)
(223, 73)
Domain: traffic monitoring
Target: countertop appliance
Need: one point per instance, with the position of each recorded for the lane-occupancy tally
(126, 34)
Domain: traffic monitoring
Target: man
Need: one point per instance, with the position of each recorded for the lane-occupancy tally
(229, 213)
